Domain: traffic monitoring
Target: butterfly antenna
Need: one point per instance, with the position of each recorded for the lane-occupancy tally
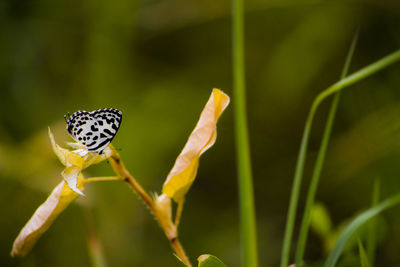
(66, 117)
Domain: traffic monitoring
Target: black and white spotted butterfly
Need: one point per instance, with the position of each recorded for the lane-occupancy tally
(94, 130)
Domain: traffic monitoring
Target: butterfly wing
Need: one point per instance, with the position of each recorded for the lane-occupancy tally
(105, 128)
(95, 130)
(79, 124)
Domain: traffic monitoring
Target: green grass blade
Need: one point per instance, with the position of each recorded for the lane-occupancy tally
(246, 198)
(357, 76)
(305, 225)
(363, 255)
(353, 78)
(371, 237)
(355, 224)
(287, 241)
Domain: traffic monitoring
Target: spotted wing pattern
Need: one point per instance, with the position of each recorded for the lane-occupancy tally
(95, 130)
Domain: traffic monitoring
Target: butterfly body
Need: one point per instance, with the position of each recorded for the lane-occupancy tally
(95, 130)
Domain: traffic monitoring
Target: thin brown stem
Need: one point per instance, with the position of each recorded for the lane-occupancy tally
(168, 228)
(101, 179)
(176, 245)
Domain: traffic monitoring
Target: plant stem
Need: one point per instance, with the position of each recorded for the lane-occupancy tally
(246, 198)
(179, 212)
(170, 232)
(101, 179)
(371, 236)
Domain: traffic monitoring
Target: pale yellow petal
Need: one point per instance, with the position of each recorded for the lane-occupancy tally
(59, 151)
(70, 175)
(43, 217)
(202, 138)
(66, 156)
(95, 158)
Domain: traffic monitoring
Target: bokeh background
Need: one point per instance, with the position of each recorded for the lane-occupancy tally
(157, 62)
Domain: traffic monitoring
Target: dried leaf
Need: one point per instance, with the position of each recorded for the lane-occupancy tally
(97, 158)
(59, 151)
(43, 217)
(67, 157)
(70, 175)
(75, 162)
(164, 214)
(202, 138)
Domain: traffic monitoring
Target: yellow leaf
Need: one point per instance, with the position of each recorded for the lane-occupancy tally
(66, 156)
(164, 214)
(59, 151)
(202, 138)
(96, 157)
(43, 217)
(70, 175)
(163, 205)
(74, 162)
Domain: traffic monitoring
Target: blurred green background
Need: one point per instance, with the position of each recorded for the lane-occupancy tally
(157, 62)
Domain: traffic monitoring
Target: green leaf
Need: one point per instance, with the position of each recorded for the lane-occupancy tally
(207, 260)
(363, 255)
(355, 224)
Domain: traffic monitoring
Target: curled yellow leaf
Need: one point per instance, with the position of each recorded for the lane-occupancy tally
(59, 151)
(202, 138)
(77, 160)
(44, 216)
(96, 157)
(70, 175)
(164, 214)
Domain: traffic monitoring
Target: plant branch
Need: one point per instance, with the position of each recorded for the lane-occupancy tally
(247, 213)
(179, 212)
(101, 179)
(168, 228)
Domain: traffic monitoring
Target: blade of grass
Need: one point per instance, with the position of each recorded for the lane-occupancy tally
(355, 224)
(349, 80)
(305, 225)
(246, 198)
(371, 237)
(363, 255)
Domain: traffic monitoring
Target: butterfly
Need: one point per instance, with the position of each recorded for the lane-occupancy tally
(94, 130)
